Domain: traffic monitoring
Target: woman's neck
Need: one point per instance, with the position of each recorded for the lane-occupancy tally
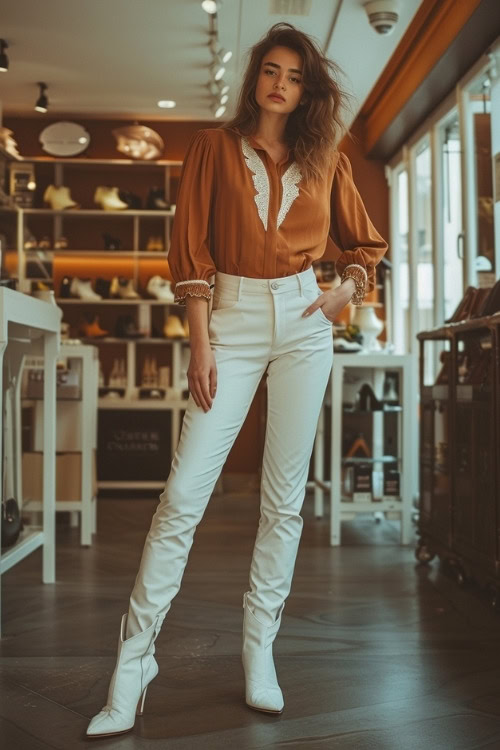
(271, 128)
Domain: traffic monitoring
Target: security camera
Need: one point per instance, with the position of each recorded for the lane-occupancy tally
(383, 15)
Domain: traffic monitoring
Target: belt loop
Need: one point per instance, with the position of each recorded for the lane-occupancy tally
(240, 284)
(300, 284)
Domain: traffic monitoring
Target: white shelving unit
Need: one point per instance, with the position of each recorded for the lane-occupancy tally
(80, 174)
(373, 368)
(30, 326)
(82, 414)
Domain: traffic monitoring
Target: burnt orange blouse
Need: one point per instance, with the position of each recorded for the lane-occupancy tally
(241, 213)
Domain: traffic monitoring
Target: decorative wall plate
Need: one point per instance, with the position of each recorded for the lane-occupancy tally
(64, 138)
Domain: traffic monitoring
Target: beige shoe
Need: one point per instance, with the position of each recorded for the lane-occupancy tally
(108, 199)
(173, 328)
(59, 198)
(122, 288)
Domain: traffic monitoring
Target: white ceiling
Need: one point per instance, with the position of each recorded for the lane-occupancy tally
(117, 58)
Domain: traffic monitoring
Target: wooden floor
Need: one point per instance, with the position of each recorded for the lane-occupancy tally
(374, 652)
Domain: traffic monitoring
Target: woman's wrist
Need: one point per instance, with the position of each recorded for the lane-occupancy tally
(349, 285)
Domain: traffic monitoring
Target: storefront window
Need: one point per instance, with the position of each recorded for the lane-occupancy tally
(403, 308)
(453, 239)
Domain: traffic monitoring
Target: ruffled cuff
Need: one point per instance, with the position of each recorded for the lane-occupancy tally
(360, 277)
(194, 288)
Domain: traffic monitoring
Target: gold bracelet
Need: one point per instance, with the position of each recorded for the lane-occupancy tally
(359, 276)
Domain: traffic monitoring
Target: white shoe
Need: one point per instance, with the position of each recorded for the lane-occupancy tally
(262, 691)
(135, 668)
(82, 288)
(122, 288)
(160, 288)
(59, 198)
(108, 199)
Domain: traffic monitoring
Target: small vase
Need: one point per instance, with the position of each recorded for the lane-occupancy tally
(370, 327)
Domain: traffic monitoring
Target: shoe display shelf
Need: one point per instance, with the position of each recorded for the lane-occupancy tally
(76, 439)
(385, 431)
(85, 224)
(86, 257)
(459, 519)
(28, 327)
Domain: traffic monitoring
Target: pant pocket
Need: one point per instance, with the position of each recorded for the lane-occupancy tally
(311, 294)
(224, 300)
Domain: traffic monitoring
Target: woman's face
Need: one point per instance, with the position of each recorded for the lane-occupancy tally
(280, 76)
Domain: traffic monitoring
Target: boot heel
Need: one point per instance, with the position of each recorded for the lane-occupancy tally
(140, 705)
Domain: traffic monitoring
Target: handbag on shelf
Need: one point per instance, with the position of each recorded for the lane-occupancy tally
(11, 522)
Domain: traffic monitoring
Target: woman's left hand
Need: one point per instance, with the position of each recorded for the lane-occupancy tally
(333, 301)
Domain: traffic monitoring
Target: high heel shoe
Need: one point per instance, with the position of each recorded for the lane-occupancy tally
(135, 668)
(262, 690)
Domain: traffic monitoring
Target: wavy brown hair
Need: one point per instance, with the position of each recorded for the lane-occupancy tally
(314, 129)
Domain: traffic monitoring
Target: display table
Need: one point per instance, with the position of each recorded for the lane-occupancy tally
(30, 326)
(372, 368)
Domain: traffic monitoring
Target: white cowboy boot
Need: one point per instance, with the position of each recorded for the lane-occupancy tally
(262, 691)
(135, 668)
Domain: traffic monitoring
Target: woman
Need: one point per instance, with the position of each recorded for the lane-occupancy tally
(257, 201)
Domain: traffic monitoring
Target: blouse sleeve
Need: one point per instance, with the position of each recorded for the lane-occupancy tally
(352, 230)
(189, 256)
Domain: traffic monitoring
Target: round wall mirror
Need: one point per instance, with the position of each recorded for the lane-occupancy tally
(64, 139)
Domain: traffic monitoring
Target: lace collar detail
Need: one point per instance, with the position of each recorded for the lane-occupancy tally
(260, 178)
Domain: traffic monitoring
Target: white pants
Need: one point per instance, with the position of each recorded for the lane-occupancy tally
(255, 325)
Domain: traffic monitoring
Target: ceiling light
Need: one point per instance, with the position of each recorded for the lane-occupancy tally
(224, 98)
(224, 88)
(209, 6)
(220, 54)
(219, 109)
(4, 60)
(217, 70)
(42, 103)
(166, 103)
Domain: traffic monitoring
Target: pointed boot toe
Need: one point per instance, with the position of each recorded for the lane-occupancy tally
(135, 668)
(264, 698)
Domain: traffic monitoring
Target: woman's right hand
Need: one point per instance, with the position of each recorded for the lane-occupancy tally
(202, 374)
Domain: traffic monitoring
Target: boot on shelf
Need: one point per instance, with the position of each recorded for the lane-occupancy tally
(91, 329)
(156, 200)
(59, 198)
(102, 287)
(367, 400)
(160, 289)
(65, 287)
(173, 327)
(154, 245)
(82, 288)
(109, 199)
(126, 328)
(123, 288)
(110, 242)
(131, 199)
